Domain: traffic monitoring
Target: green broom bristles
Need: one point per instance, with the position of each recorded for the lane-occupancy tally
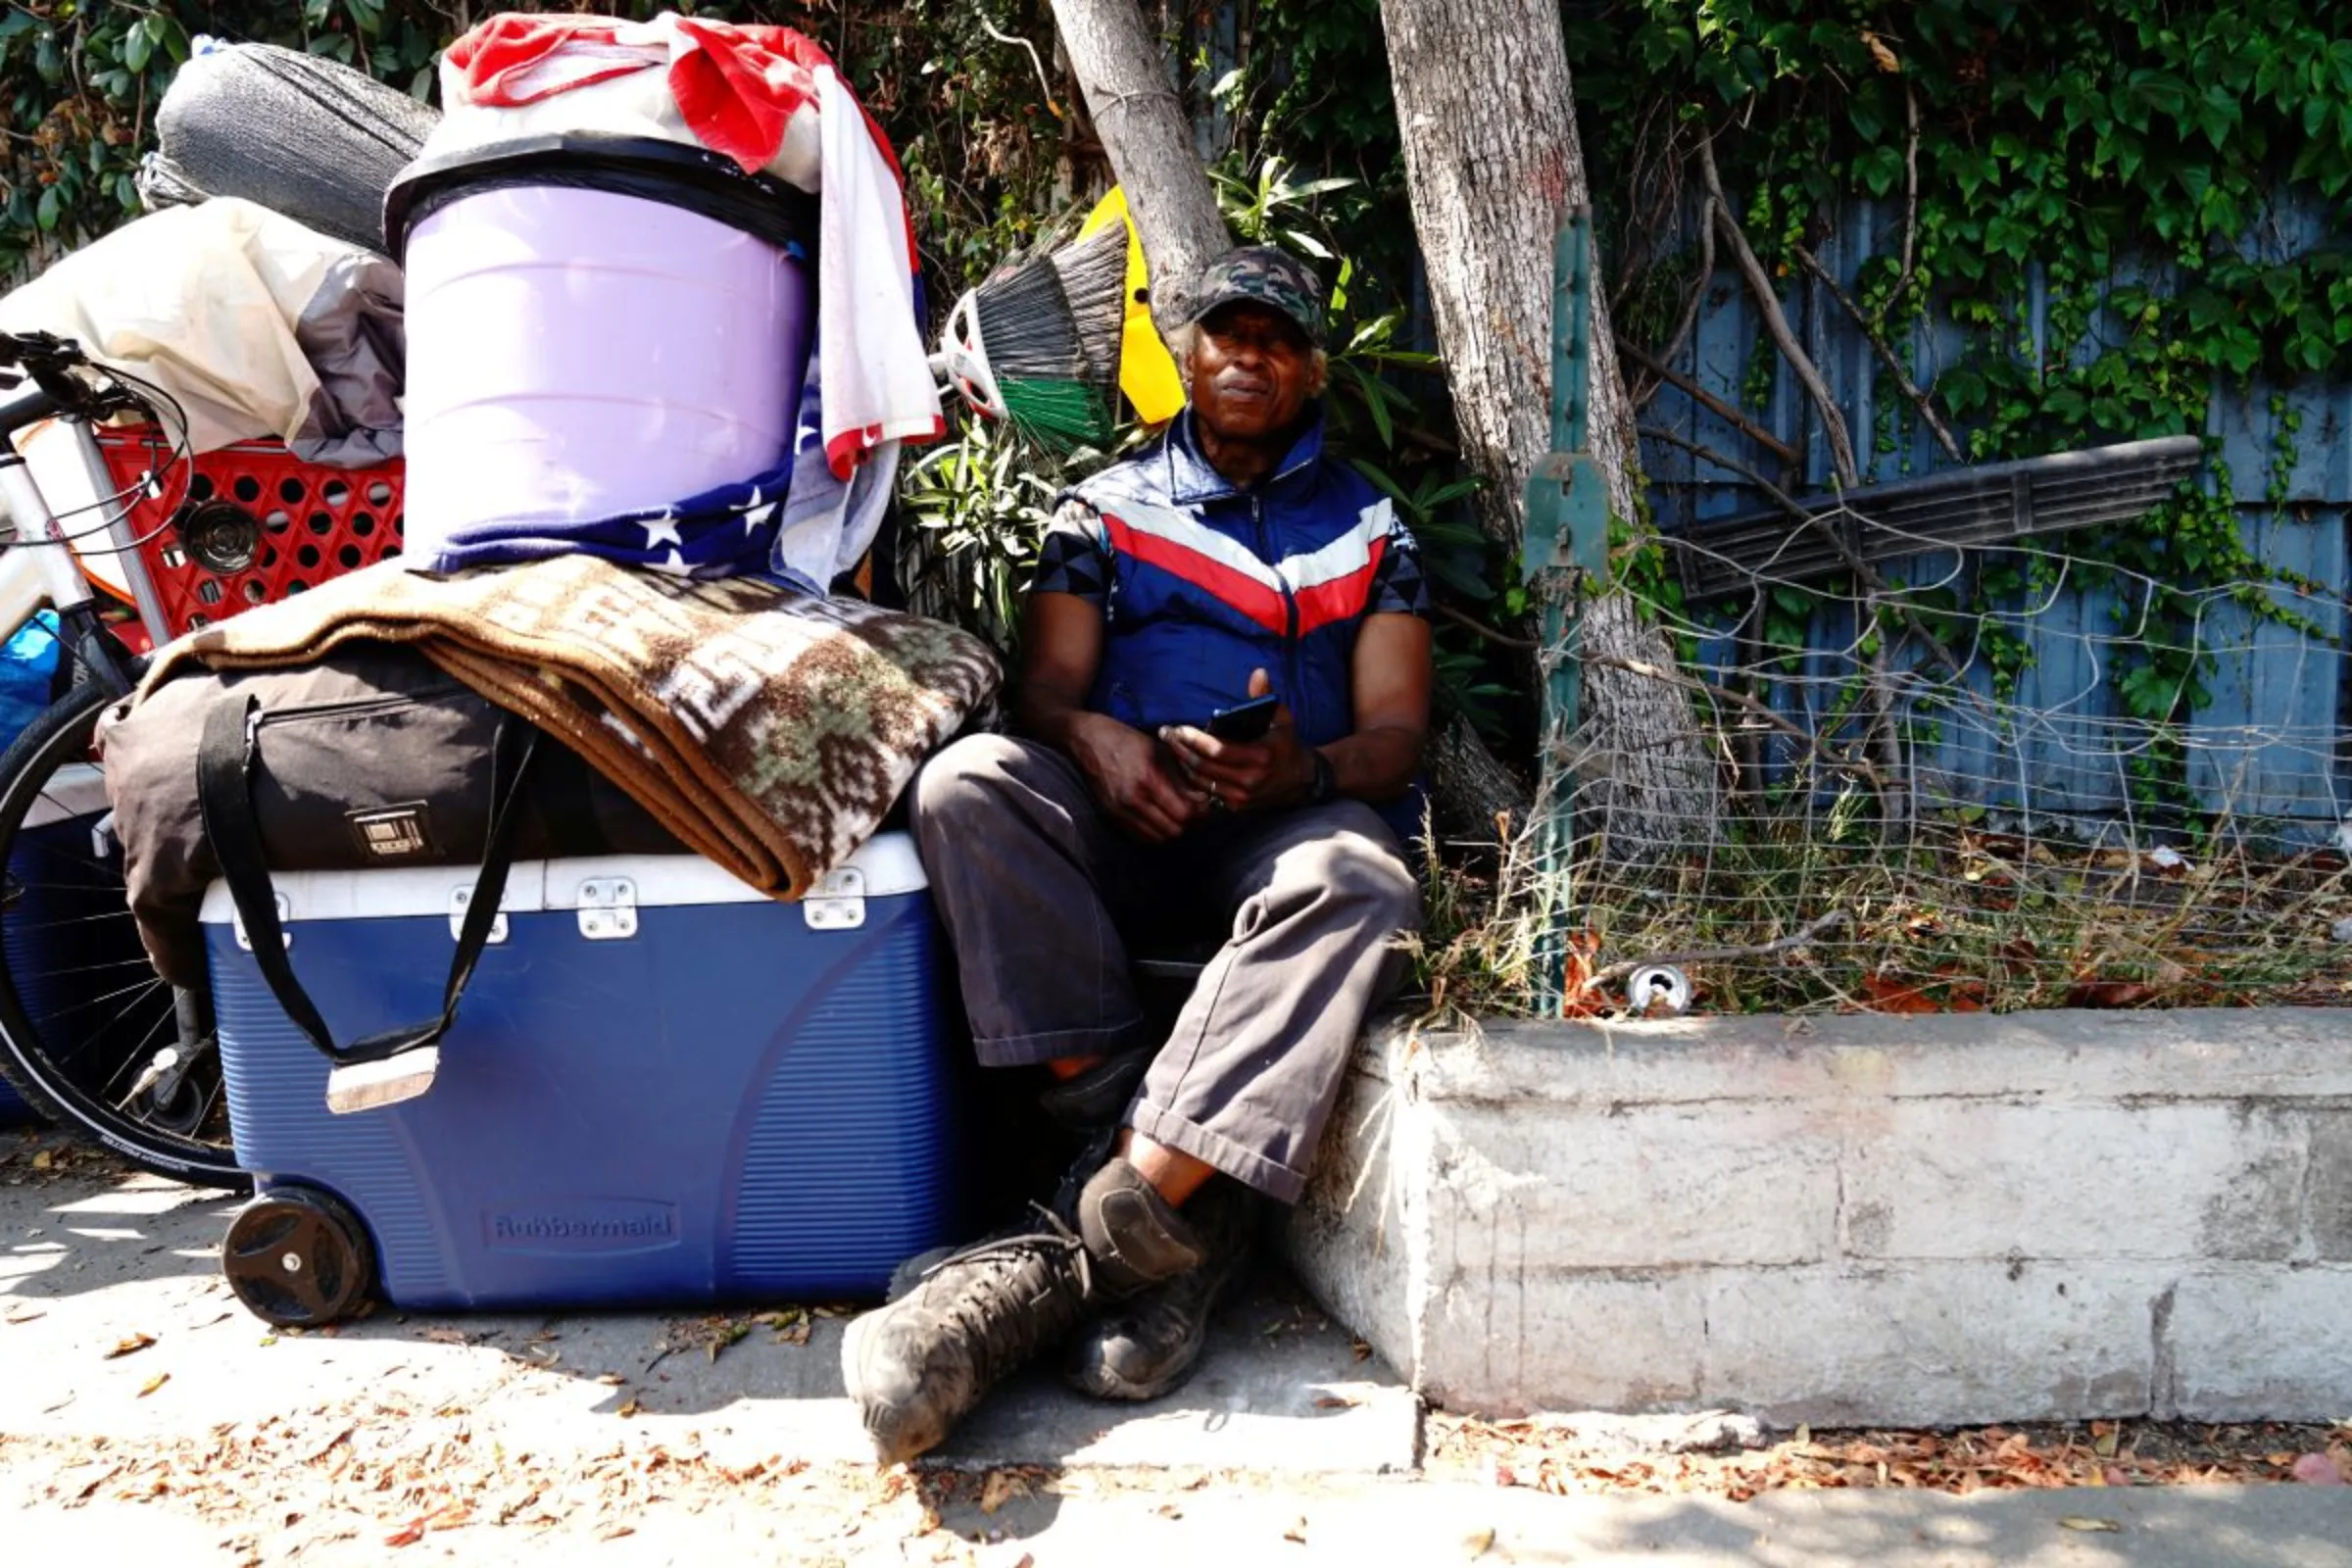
(1057, 412)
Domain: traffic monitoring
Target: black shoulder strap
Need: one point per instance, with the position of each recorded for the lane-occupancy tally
(226, 759)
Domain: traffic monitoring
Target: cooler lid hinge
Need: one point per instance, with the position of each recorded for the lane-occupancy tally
(838, 901)
(608, 909)
(459, 901)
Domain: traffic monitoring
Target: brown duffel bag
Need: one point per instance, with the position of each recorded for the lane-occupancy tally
(371, 756)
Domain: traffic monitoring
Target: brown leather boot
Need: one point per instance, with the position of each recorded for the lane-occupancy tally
(1146, 1346)
(919, 1364)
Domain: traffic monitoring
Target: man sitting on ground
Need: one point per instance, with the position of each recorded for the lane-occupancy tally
(1229, 560)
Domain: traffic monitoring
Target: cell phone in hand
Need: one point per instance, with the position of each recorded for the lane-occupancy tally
(1245, 721)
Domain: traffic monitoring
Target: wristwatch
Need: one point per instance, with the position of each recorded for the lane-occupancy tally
(1325, 784)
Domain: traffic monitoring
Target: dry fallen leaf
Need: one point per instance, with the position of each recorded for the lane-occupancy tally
(1296, 1532)
(1478, 1540)
(137, 1342)
(154, 1383)
(2078, 1522)
(447, 1335)
(1000, 1488)
(1335, 1401)
(630, 1408)
(43, 1162)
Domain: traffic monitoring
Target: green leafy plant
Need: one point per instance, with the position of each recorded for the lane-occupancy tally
(2098, 194)
(973, 511)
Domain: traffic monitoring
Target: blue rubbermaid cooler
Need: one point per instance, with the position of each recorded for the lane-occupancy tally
(72, 950)
(662, 1088)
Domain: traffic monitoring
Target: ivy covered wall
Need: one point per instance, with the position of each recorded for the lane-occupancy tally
(2068, 221)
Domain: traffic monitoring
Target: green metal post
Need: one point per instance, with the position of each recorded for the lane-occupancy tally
(1566, 548)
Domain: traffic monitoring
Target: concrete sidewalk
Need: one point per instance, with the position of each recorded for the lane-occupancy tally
(144, 1414)
(1241, 1522)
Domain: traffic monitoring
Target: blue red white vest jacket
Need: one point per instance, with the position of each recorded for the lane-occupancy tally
(1203, 581)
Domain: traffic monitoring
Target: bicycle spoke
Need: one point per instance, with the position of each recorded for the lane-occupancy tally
(139, 1060)
(82, 1012)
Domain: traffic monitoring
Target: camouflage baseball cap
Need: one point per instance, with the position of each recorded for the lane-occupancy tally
(1261, 275)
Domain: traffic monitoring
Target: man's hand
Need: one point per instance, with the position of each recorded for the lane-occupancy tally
(1248, 775)
(1136, 778)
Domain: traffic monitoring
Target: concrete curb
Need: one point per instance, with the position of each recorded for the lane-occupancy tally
(1860, 1219)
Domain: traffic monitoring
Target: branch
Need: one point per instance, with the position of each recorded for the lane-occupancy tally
(1698, 290)
(1795, 939)
(1903, 281)
(1775, 321)
(1713, 404)
(1886, 357)
(1755, 707)
(1863, 570)
(1001, 36)
(1473, 623)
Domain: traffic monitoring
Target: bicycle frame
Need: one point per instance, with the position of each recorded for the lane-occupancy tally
(41, 571)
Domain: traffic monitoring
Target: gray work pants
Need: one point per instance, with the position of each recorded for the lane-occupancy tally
(1042, 895)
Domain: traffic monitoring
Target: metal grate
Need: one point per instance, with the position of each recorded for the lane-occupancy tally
(1987, 505)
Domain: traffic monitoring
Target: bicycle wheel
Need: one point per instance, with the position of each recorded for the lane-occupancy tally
(84, 1021)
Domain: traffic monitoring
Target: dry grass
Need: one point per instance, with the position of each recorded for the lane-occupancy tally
(1828, 910)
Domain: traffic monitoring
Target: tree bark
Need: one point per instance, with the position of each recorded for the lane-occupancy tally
(1492, 162)
(1123, 72)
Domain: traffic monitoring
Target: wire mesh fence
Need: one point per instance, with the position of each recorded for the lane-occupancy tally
(1972, 776)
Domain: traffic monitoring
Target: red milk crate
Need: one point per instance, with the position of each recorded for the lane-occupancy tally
(248, 525)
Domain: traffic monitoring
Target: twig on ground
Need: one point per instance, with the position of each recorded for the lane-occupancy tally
(1819, 927)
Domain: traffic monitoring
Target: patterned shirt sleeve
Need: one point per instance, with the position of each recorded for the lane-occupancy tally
(1399, 587)
(1073, 557)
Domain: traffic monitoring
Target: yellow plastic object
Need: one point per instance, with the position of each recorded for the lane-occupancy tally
(1147, 370)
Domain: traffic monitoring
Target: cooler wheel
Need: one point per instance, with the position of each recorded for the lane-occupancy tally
(298, 1257)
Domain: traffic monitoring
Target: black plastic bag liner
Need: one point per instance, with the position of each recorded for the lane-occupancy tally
(692, 179)
(306, 137)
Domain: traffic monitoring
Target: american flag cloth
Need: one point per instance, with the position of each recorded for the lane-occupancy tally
(724, 532)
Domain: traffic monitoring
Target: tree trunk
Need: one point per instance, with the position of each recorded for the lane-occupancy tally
(1124, 71)
(1492, 162)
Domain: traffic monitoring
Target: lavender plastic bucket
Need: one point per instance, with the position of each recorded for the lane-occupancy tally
(574, 353)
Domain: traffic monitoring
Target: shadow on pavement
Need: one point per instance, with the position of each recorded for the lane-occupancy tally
(74, 1218)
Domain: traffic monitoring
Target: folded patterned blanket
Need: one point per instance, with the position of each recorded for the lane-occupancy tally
(770, 730)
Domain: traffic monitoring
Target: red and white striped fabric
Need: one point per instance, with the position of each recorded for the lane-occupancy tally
(1330, 584)
(768, 98)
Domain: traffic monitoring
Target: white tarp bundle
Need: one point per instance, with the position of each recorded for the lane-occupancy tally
(255, 324)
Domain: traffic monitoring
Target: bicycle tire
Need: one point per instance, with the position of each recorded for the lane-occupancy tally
(82, 1011)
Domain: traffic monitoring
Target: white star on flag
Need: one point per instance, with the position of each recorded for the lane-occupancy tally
(662, 530)
(760, 518)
